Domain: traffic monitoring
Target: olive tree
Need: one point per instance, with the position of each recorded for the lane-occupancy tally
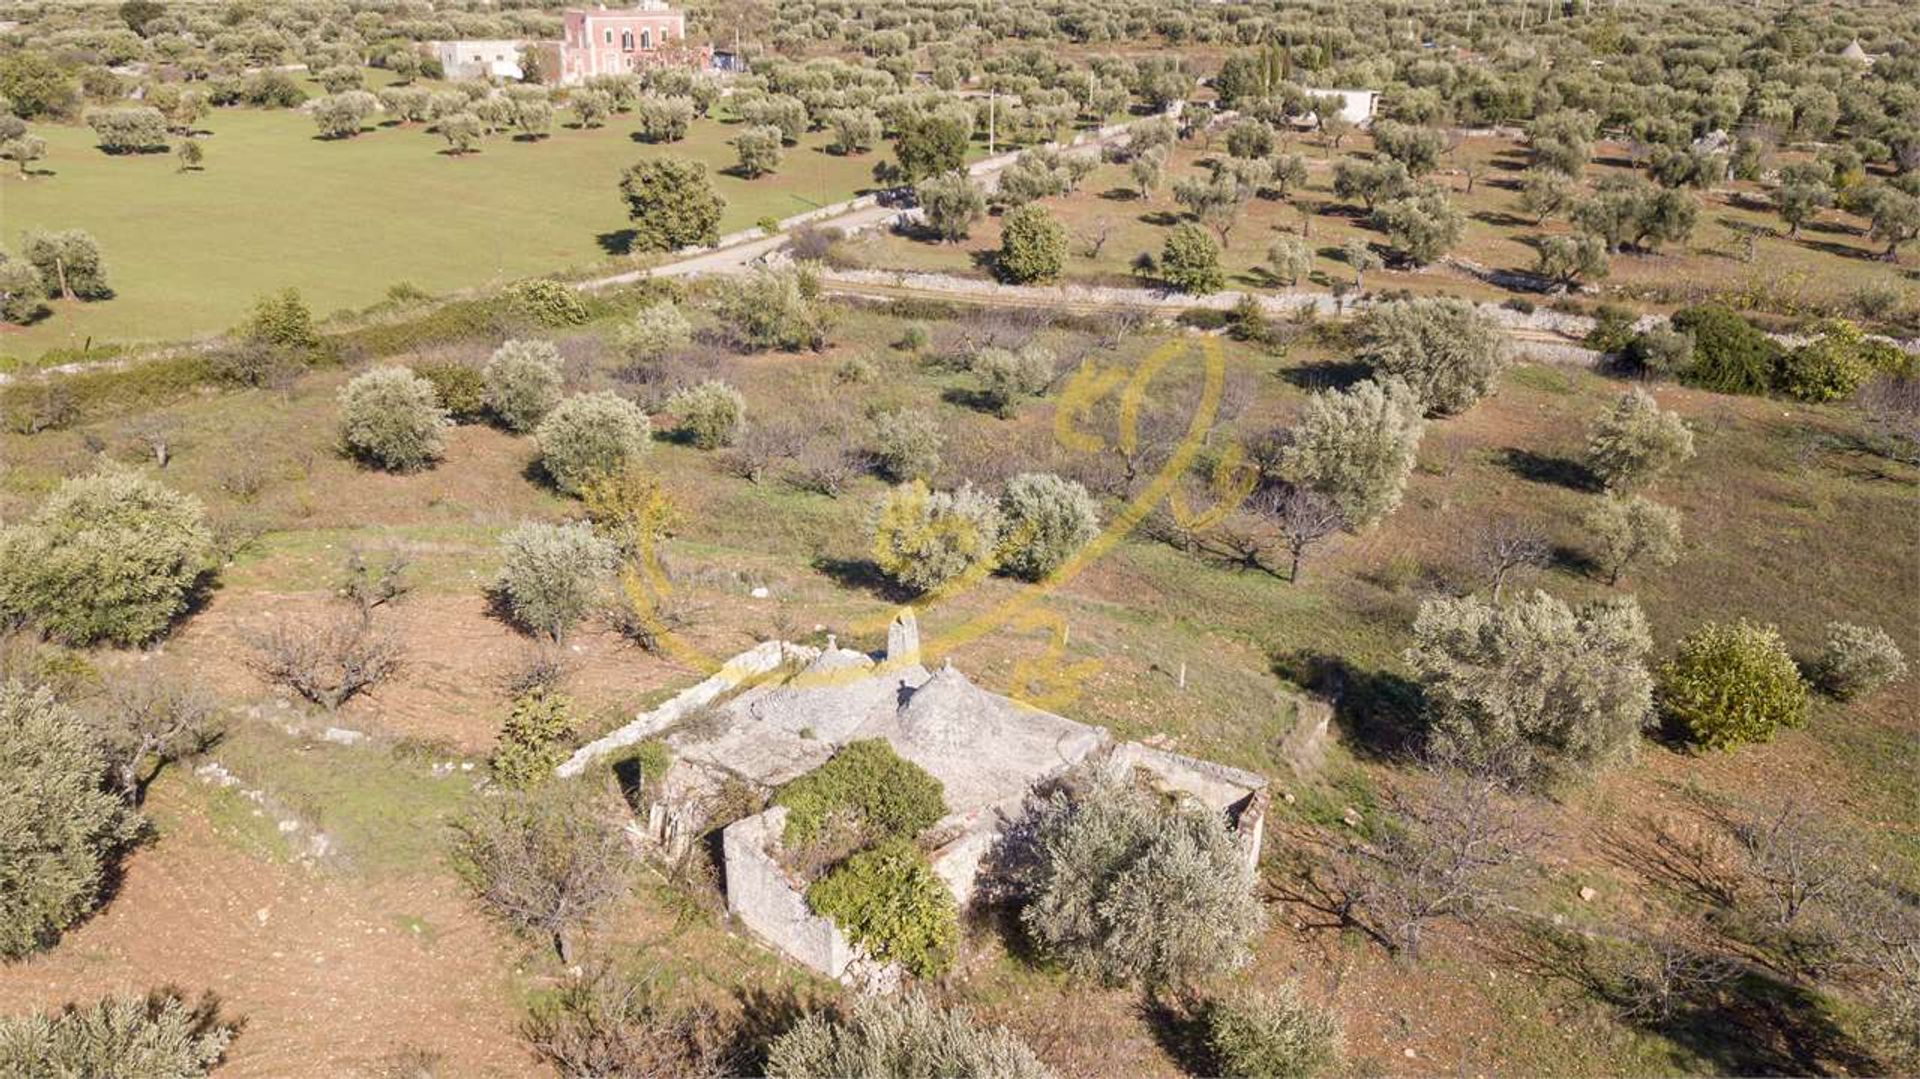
(906, 444)
(1291, 258)
(1272, 1034)
(900, 1036)
(1565, 260)
(111, 557)
(551, 575)
(1423, 226)
(1009, 376)
(654, 331)
(130, 130)
(951, 203)
(774, 309)
(159, 1034)
(927, 539)
(1447, 351)
(1631, 530)
(1857, 660)
(342, 115)
(1635, 441)
(522, 383)
(662, 119)
(591, 435)
(1117, 885)
(710, 413)
(1552, 688)
(758, 150)
(1357, 447)
(1044, 520)
(70, 263)
(61, 829)
(391, 418)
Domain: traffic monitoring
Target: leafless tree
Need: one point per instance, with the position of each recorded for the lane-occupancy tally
(147, 717)
(1303, 519)
(1445, 855)
(1094, 239)
(1503, 545)
(330, 662)
(1884, 943)
(154, 435)
(825, 469)
(544, 861)
(607, 1023)
(761, 447)
(1893, 404)
(1795, 861)
(1662, 974)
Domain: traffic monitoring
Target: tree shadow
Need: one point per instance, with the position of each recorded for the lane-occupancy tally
(1179, 1027)
(764, 1015)
(1165, 219)
(1575, 561)
(1120, 194)
(864, 575)
(1327, 374)
(1501, 219)
(1549, 469)
(617, 242)
(1378, 711)
(1840, 250)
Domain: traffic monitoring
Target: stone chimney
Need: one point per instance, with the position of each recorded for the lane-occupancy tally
(903, 639)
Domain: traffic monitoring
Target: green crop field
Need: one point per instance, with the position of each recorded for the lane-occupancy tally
(341, 221)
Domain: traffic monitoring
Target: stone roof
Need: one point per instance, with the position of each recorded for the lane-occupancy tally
(949, 712)
(1853, 51)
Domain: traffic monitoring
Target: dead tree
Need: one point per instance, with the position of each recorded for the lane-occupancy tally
(1794, 861)
(1503, 545)
(1662, 974)
(150, 718)
(544, 862)
(370, 583)
(328, 663)
(1302, 518)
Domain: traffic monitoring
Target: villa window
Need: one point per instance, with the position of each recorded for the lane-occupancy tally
(609, 37)
(646, 39)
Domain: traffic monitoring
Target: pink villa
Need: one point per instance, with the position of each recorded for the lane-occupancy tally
(600, 41)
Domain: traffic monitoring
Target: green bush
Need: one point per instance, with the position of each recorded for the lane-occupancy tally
(156, 1035)
(551, 575)
(1858, 660)
(1729, 354)
(533, 739)
(889, 1037)
(867, 788)
(654, 331)
(1662, 352)
(1730, 684)
(1007, 376)
(1448, 351)
(391, 418)
(1190, 261)
(109, 557)
(925, 540)
(1828, 368)
(282, 320)
(889, 901)
(1277, 1035)
(1635, 441)
(549, 303)
(1033, 245)
(1612, 328)
(710, 414)
(1044, 520)
(61, 831)
(773, 309)
(523, 383)
(459, 388)
(591, 435)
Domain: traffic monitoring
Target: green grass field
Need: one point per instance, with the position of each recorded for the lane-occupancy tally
(276, 206)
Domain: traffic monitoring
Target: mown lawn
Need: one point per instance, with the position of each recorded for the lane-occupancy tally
(276, 206)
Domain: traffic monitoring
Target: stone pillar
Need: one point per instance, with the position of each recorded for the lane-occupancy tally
(903, 639)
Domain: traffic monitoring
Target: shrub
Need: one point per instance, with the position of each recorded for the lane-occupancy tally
(1357, 447)
(1123, 888)
(1558, 688)
(1829, 368)
(131, 130)
(866, 791)
(1044, 520)
(1447, 351)
(589, 435)
(156, 1035)
(1634, 442)
(1006, 376)
(533, 739)
(1858, 660)
(604, 1024)
(888, 1036)
(1632, 529)
(549, 303)
(710, 413)
(391, 418)
(23, 296)
(889, 901)
(109, 557)
(1277, 1035)
(1729, 354)
(906, 444)
(551, 575)
(458, 387)
(926, 540)
(1612, 328)
(61, 830)
(523, 383)
(1190, 261)
(1729, 684)
(773, 308)
(282, 320)
(654, 331)
(1033, 245)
